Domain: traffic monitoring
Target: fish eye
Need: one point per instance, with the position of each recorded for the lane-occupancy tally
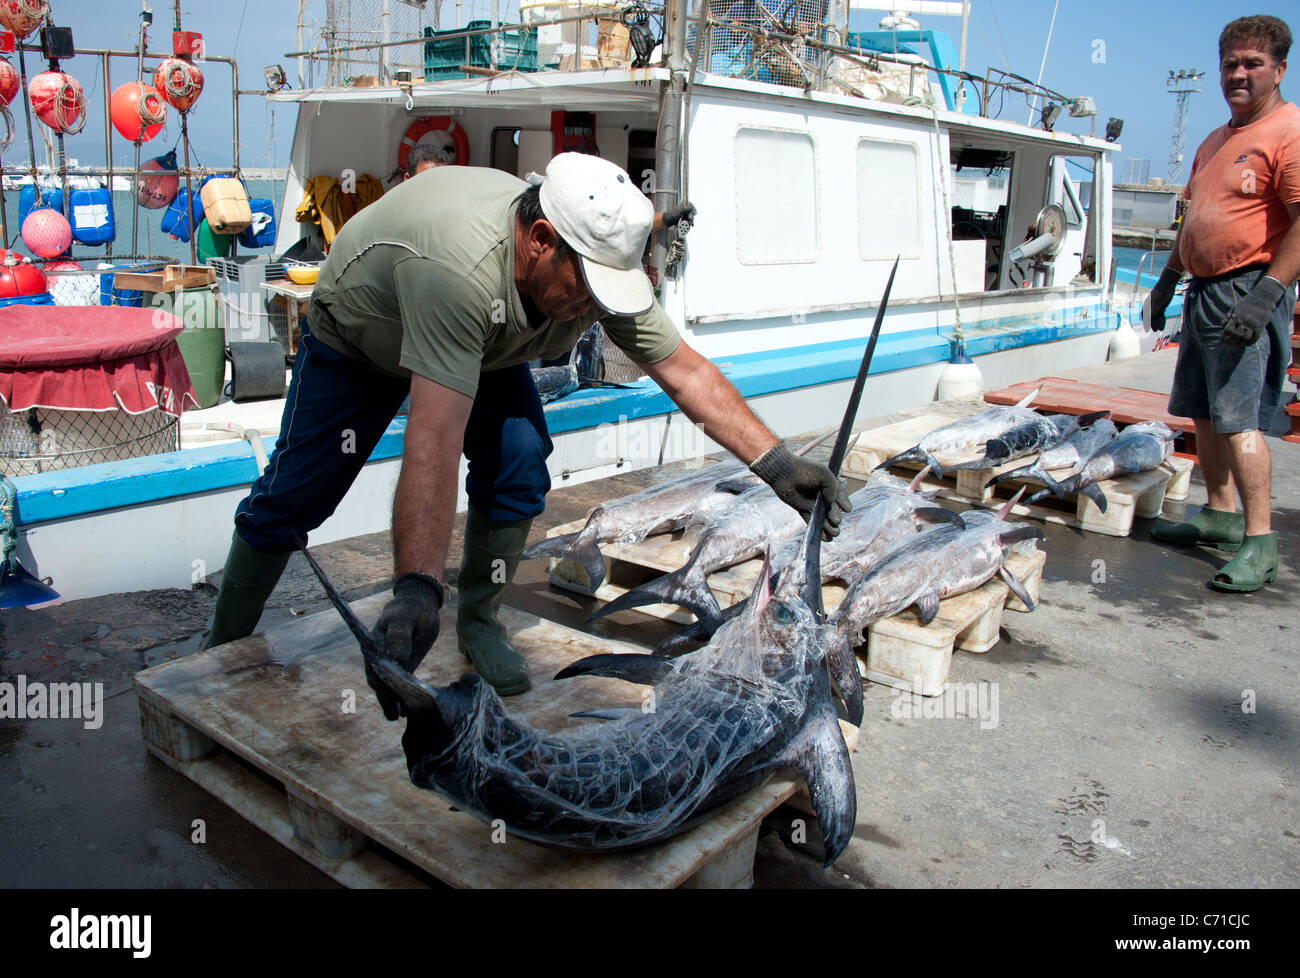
(783, 613)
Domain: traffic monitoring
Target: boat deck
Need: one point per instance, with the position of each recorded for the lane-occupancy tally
(1101, 742)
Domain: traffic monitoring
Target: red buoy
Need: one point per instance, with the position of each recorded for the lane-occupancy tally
(18, 276)
(179, 83)
(137, 111)
(158, 188)
(58, 101)
(47, 232)
(23, 16)
(9, 82)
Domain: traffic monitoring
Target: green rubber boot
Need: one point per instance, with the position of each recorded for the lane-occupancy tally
(492, 552)
(1208, 528)
(249, 579)
(1254, 566)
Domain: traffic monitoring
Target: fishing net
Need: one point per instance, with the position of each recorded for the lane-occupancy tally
(713, 723)
(45, 439)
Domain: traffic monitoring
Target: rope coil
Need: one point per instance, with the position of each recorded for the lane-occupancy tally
(150, 116)
(180, 82)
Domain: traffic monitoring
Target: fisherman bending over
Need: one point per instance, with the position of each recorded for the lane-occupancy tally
(445, 288)
(1240, 241)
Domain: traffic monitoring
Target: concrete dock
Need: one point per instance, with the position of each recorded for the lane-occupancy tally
(1138, 730)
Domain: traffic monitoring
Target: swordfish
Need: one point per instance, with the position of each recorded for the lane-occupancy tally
(659, 509)
(1139, 447)
(932, 565)
(961, 437)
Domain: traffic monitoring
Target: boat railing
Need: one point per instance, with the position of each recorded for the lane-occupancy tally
(797, 43)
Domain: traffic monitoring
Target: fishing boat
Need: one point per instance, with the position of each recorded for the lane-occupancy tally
(815, 153)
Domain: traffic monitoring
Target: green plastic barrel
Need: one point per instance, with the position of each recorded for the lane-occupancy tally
(203, 341)
(209, 244)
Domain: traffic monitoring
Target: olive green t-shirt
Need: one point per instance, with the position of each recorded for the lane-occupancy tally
(422, 281)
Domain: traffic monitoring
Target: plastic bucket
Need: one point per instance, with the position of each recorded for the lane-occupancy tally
(203, 341)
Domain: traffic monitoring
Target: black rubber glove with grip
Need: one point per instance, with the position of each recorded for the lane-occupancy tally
(1161, 295)
(406, 630)
(1251, 315)
(798, 481)
(674, 215)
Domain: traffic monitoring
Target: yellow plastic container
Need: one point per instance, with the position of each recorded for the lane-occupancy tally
(302, 274)
(225, 205)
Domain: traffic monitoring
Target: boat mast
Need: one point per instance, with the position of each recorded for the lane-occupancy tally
(669, 146)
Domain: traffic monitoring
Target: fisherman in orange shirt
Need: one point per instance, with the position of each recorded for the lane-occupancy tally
(1240, 241)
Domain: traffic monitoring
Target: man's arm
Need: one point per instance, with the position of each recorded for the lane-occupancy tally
(1285, 266)
(709, 399)
(1253, 311)
(424, 506)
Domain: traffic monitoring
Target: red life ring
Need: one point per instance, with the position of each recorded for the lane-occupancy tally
(428, 124)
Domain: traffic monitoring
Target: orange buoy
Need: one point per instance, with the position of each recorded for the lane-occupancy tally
(58, 101)
(137, 111)
(9, 83)
(22, 16)
(47, 232)
(179, 83)
(158, 188)
(18, 276)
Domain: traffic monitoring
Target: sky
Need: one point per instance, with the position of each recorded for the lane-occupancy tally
(1119, 52)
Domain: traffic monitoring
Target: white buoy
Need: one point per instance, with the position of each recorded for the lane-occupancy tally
(1124, 342)
(960, 377)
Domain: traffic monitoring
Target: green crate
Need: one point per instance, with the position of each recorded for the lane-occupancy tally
(444, 54)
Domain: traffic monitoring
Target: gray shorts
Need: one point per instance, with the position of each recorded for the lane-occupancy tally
(1237, 388)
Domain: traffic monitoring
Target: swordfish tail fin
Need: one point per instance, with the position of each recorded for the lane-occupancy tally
(915, 454)
(685, 586)
(583, 547)
(1093, 492)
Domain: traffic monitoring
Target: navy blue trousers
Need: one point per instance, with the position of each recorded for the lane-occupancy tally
(335, 413)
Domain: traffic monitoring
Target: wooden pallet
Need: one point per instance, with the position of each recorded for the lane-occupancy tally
(1138, 496)
(903, 653)
(260, 724)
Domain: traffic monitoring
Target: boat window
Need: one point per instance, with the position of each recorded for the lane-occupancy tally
(1074, 210)
(889, 200)
(505, 148)
(776, 197)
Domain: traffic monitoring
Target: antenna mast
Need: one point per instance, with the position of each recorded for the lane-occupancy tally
(1184, 84)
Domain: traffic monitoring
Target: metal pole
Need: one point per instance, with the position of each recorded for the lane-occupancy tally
(387, 34)
(302, 78)
(669, 146)
(194, 232)
(139, 73)
(108, 145)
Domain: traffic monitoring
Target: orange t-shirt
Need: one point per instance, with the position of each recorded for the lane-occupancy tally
(1242, 181)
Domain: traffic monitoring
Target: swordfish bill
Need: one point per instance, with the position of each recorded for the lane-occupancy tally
(812, 583)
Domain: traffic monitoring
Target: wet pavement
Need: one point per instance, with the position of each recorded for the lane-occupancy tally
(1138, 729)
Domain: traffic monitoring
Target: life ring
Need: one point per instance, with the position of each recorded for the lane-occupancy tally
(433, 123)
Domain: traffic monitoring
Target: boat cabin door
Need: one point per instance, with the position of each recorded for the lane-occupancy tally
(1064, 191)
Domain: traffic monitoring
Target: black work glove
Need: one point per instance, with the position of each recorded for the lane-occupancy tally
(1160, 297)
(798, 482)
(674, 215)
(406, 630)
(1252, 313)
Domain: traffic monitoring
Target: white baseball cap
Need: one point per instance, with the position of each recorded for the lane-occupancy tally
(599, 212)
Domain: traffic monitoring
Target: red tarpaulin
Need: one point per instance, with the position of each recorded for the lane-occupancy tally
(92, 358)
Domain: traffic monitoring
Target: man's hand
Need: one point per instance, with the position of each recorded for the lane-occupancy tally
(1252, 313)
(798, 481)
(1153, 307)
(406, 630)
(674, 215)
